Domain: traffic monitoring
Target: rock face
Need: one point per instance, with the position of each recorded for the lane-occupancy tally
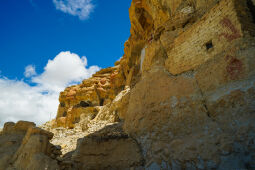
(193, 104)
(84, 100)
(189, 66)
(181, 97)
(24, 146)
(109, 148)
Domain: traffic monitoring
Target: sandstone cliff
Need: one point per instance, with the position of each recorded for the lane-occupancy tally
(86, 99)
(181, 97)
(24, 146)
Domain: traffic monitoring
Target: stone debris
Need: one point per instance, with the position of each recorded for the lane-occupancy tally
(67, 138)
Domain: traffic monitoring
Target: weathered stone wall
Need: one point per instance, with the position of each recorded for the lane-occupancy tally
(150, 19)
(213, 34)
(193, 106)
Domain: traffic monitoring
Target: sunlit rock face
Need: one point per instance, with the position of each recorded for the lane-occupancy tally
(181, 97)
(24, 146)
(86, 99)
(189, 84)
(191, 103)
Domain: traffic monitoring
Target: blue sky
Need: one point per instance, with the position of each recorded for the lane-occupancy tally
(33, 31)
(46, 45)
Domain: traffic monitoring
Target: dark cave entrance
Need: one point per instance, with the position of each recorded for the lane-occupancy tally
(101, 102)
(84, 104)
(252, 9)
(209, 45)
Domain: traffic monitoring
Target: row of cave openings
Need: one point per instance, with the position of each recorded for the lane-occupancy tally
(251, 7)
(84, 103)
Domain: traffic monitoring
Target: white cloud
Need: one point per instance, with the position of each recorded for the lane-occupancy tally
(30, 71)
(80, 8)
(65, 68)
(21, 101)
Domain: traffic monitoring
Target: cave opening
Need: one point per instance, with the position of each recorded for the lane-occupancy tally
(209, 45)
(145, 19)
(62, 104)
(93, 116)
(252, 9)
(142, 21)
(64, 114)
(101, 102)
(185, 24)
(84, 104)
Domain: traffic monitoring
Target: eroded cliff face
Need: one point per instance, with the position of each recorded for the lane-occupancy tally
(86, 100)
(181, 97)
(24, 146)
(193, 105)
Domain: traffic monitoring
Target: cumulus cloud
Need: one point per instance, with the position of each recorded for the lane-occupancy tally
(65, 68)
(80, 8)
(30, 71)
(38, 103)
(20, 101)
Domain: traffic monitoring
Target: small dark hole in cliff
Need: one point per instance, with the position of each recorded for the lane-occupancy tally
(142, 21)
(185, 24)
(101, 102)
(62, 104)
(145, 19)
(209, 45)
(122, 88)
(64, 114)
(248, 166)
(252, 9)
(13, 142)
(93, 116)
(84, 104)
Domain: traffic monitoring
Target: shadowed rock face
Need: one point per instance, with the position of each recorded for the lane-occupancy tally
(181, 97)
(109, 148)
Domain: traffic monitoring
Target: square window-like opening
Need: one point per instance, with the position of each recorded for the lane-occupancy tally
(209, 45)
